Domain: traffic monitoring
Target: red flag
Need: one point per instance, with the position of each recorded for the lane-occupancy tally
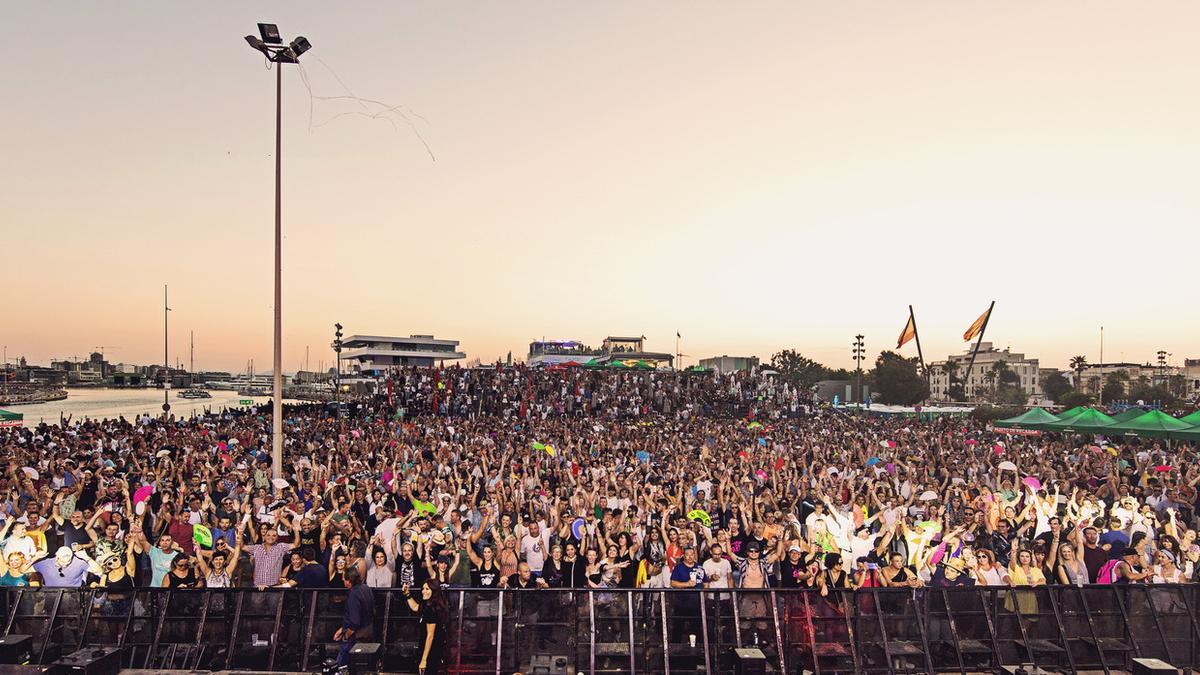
(909, 332)
(977, 326)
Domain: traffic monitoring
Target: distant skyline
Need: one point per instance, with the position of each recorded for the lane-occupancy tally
(762, 177)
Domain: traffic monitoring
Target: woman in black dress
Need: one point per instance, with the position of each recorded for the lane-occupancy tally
(434, 613)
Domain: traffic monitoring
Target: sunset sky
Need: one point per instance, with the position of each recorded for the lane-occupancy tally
(756, 176)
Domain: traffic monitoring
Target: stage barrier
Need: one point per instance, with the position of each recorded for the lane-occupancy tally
(631, 631)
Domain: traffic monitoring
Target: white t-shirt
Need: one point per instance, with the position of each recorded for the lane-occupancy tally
(534, 549)
(860, 547)
(718, 572)
(660, 580)
(24, 544)
(387, 528)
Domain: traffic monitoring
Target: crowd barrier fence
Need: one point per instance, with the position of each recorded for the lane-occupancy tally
(926, 630)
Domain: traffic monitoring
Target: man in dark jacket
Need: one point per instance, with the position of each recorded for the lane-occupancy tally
(358, 618)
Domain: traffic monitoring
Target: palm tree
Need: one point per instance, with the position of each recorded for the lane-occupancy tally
(998, 369)
(951, 368)
(1078, 363)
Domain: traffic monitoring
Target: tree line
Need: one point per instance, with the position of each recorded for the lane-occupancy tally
(894, 379)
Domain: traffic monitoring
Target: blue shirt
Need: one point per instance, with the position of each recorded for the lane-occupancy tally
(360, 608)
(688, 573)
(229, 535)
(71, 576)
(160, 564)
(1117, 538)
(312, 575)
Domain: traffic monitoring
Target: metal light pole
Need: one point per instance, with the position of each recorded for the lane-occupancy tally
(860, 353)
(271, 45)
(166, 361)
(337, 376)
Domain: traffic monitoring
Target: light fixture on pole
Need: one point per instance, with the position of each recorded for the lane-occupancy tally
(860, 353)
(271, 45)
(337, 377)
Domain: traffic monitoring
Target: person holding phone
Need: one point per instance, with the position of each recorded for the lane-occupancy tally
(866, 573)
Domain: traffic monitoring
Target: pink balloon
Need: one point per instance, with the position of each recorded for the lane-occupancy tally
(999, 449)
(891, 444)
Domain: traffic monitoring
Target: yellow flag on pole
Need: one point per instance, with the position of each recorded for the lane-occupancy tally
(977, 326)
(909, 332)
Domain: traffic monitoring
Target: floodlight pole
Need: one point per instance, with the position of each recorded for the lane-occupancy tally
(277, 384)
(272, 47)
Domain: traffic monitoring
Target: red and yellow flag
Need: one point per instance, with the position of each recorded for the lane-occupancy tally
(977, 326)
(909, 332)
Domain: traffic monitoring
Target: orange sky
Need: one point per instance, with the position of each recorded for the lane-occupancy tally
(754, 176)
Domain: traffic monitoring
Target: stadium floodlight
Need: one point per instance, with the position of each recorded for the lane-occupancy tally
(299, 46)
(258, 44)
(270, 33)
(271, 45)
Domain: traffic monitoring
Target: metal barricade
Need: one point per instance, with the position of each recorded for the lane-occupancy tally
(894, 630)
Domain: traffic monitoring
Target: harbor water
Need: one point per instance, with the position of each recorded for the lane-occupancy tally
(98, 403)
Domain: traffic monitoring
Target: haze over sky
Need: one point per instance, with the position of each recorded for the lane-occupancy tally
(756, 176)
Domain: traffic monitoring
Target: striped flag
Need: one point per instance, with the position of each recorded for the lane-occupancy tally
(909, 332)
(977, 326)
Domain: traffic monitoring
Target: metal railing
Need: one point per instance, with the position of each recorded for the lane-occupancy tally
(632, 631)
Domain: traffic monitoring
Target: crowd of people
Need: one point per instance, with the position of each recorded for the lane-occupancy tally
(527, 478)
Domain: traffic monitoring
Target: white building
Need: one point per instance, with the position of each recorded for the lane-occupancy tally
(729, 364)
(374, 355)
(980, 380)
(1191, 376)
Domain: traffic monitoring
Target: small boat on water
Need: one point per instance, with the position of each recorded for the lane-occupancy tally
(194, 393)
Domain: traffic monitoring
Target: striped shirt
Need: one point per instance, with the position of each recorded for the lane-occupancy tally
(268, 562)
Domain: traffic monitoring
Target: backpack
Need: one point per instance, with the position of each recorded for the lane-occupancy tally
(1108, 573)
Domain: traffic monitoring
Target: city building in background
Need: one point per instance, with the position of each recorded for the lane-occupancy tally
(1182, 381)
(374, 355)
(725, 364)
(1191, 378)
(984, 375)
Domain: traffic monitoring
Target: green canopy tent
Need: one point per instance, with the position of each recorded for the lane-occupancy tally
(1068, 414)
(642, 365)
(1193, 419)
(11, 419)
(593, 363)
(1154, 424)
(1035, 418)
(616, 365)
(1189, 434)
(1128, 414)
(1090, 421)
